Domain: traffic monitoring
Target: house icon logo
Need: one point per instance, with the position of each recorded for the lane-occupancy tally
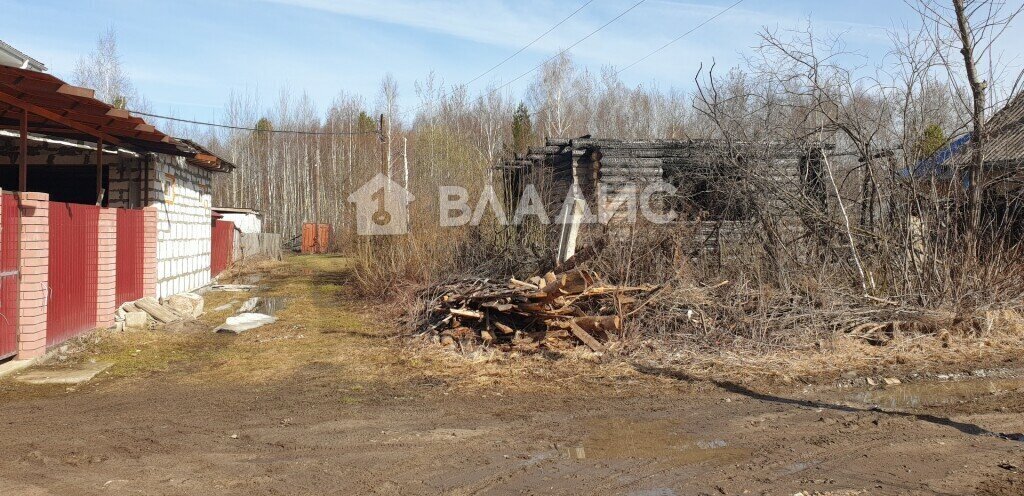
(382, 207)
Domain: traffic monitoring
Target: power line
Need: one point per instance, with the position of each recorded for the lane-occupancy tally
(549, 59)
(662, 47)
(535, 40)
(570, 47)
(488, 71)
(239, 128)
(656, 50)
(471, 81)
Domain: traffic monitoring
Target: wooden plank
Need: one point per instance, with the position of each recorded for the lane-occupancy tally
(467, 313)
(587, 339)
(67, 89)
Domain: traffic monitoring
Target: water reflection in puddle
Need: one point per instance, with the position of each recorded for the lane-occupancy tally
(925, 394)
(268, 305)
(661, 441)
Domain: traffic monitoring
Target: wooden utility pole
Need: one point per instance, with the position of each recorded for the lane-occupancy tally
(23, 149)
(99, 173)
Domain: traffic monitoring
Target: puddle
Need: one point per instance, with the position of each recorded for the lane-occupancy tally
(267, 305)
(925, 394)
(663, 441)
(270, 305)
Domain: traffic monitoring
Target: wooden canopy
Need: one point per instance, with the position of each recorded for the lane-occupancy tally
(38, 103)
(55, 108)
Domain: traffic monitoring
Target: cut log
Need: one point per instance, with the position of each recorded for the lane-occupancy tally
(548, 279)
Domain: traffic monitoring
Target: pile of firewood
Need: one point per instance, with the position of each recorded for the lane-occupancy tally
(552, 312)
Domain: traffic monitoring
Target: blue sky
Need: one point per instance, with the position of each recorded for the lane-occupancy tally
(186, 56)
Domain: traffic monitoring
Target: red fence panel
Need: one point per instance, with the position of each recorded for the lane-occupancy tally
(131, 240)
(71, 308)
(10, 217)
(221, 243)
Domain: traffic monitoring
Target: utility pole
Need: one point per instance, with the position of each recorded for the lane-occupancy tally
(405, 162)
(381, 216)
(384, 165)
(99, 173)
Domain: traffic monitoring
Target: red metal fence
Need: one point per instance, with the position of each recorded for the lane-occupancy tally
(221, 244)
(10, 217)
(131, 237)
(71, 307)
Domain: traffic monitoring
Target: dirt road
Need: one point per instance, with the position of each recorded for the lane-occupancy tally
(323, 402)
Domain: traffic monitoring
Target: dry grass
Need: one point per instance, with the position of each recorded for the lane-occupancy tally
(328, 331)
(325, 330)
(832, 359)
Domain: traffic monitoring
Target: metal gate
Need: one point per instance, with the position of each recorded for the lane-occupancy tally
(315, 237)
(221, 243)
(71, 306)
(131, 241)
(10, 219)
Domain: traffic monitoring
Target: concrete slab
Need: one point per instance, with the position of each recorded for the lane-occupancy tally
(64, 375)
(11, 366)
(245, 321)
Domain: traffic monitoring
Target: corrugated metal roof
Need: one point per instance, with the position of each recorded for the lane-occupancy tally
(1004, 146)
(13, 57)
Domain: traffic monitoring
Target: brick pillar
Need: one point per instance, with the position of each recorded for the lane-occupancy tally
(149, 253)
(34, 266)
(106, 266)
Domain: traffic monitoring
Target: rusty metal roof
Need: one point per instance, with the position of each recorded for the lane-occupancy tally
(56, 108)
(205, 158)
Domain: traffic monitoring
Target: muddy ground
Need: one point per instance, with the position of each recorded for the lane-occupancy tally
(328, 401)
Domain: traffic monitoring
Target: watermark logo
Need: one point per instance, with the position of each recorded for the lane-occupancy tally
(382, 207)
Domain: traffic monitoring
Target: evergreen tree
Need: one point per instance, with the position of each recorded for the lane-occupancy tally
(932, 140)
(522, 129)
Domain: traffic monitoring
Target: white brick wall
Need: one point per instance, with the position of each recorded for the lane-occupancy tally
(181, 194)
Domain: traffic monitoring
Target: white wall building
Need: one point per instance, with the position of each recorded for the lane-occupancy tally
(179, 188)
(246, 220)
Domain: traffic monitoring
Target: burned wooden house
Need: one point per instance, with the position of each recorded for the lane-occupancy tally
(725, 191)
